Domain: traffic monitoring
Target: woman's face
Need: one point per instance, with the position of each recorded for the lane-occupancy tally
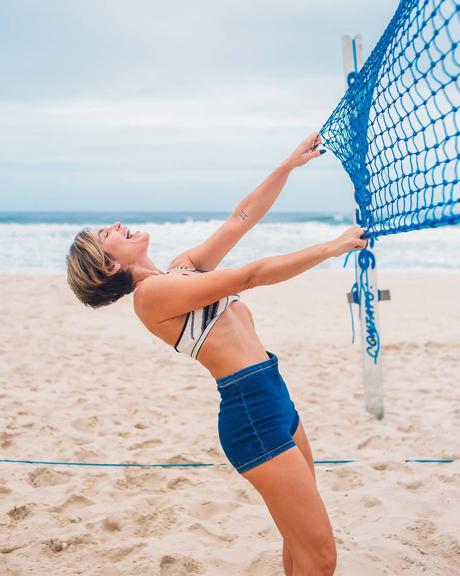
(124, 245)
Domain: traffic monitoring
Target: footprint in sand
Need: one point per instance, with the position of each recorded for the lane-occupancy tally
(370, 501)
(56, 545)
(180, 482)
(424, 529)
(374, 441)
(8, 550)
(388, 466)
(265, 563)
(111, 525)
(201, 530)
(46, 477)
(86, 455)
(118, 554)
(146, 444)
(152, 480)
(413, 486)
(439, 477)
(406, 428)
(18, 513)
(207, 509)
(6, 439)
(3, 488)
(244, 496)
(214, 452)
(73, 503)
(85, 424)
(175, 565)
(346, 480)
(157, 523)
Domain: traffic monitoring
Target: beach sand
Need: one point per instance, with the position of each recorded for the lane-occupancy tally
(95, 386)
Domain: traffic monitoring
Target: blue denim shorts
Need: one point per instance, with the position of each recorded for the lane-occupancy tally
(257, 417)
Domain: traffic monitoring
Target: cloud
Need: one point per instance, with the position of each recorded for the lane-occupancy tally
(101, 95)
(190, 131)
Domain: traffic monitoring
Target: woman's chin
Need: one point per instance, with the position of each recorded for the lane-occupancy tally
(142, 236)
(145, 239)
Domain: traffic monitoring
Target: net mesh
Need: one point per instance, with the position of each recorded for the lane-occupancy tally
(396, 128)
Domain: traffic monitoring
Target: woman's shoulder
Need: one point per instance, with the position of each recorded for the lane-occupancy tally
(144, 298)
(151, 290)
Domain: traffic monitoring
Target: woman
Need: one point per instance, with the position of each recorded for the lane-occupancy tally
(259, 427)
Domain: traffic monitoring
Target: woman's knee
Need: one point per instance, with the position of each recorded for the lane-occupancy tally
(329, 557)
(322, 562)
(288, 488)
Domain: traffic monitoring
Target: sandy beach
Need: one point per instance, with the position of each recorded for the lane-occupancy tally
(95, 386)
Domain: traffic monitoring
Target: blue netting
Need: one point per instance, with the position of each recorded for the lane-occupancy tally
(396, 128)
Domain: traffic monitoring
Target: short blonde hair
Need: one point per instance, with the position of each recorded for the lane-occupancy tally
(88, 268)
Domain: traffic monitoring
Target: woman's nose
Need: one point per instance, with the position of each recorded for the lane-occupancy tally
(117, 224)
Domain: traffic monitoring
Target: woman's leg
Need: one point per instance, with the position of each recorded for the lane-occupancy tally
(287, 485)
(304, 446)
(287, 559)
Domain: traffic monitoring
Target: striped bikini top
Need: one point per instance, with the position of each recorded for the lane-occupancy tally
(198, 323)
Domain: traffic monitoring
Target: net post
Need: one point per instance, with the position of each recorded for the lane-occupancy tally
(365, 265)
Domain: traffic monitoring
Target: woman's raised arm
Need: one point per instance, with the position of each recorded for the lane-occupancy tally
(168, 296)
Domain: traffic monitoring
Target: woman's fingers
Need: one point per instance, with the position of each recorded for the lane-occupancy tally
(306, 150)
(314, 153)
(315, 140)
(357, 233)
(311, 141)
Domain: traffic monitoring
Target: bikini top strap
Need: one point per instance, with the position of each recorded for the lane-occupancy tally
(186, 268)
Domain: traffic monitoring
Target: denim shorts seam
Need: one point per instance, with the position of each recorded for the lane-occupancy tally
(245, 375)
(250, 419)
(291, 441)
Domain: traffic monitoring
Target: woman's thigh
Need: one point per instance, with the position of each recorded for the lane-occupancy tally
(288, 487)
(301, 440)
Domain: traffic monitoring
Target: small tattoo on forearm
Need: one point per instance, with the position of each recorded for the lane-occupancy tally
(243, 215)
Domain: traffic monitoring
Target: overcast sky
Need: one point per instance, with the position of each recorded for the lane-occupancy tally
(172, 105)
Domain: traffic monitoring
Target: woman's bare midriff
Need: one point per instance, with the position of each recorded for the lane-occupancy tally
(231, 344)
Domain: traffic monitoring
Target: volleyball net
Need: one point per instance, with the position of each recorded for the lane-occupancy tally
(396, 128)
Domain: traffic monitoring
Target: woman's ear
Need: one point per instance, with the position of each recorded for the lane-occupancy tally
(116, 268)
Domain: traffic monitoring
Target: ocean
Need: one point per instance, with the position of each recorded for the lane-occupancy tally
(37, 242)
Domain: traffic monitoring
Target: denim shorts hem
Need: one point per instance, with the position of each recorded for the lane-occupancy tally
(296, 420)
(266, 456)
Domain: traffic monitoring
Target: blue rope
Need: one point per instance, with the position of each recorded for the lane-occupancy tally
(184, 464)
(354, 293)
(396, 129)
(179, 464)
(363, 295)
(447, 461)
